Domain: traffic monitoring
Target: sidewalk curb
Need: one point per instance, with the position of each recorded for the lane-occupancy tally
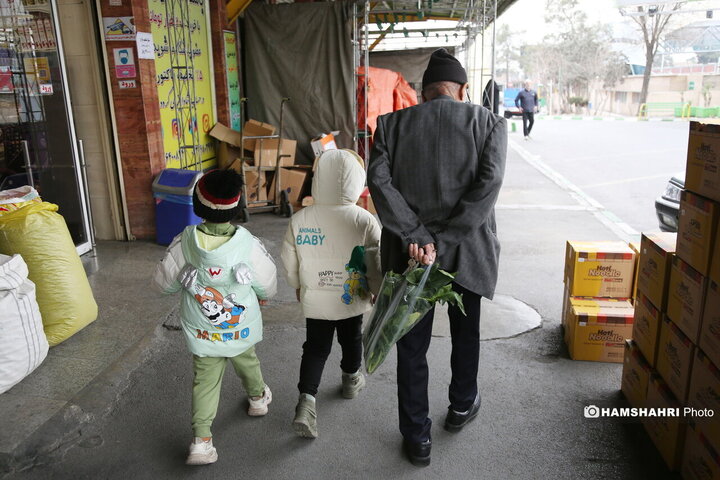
(85, 412)
(629, 119)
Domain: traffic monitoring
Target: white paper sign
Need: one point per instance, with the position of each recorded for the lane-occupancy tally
(127, 84)
(145, 45)
(46, 89)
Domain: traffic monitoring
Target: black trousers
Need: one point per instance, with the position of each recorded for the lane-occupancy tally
(318, 344)
(528, 122)
(412, 368)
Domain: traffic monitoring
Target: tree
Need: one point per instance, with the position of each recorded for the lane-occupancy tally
(652, 20)
(575, 57)
(507, 52)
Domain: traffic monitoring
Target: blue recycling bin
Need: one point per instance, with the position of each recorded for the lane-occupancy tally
(173, 193)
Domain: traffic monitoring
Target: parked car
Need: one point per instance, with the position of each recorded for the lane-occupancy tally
(667, 205)
(509, 108)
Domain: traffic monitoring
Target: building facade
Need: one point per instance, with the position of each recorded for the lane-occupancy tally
(97, 97)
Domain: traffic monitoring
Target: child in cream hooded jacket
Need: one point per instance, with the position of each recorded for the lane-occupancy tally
(332, 256)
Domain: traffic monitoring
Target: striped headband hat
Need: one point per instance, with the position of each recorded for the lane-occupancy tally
(216, 197)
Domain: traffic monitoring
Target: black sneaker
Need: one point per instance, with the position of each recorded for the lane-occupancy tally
(418, 453)
(455, 421)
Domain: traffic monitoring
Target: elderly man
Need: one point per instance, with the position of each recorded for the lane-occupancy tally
(527, 101)
(434, 174)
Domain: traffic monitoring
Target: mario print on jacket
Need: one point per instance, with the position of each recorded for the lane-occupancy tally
(221, 312)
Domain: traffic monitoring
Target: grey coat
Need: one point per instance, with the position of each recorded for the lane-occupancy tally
(434, 175)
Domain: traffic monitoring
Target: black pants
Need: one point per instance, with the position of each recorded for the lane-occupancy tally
(318, 344)
(412, 368)
(528, 121)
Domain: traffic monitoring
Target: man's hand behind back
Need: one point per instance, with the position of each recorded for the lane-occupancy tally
(424, 255)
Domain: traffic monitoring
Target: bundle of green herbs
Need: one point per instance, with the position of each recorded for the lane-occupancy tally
(402, 301)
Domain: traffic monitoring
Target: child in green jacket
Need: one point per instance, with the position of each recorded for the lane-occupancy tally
(225, 274)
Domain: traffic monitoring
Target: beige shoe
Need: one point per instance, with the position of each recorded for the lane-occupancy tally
(352, 383)
(201, 452)
(305, 421)
(259, 406)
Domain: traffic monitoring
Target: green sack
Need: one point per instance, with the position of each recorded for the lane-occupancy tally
(39, 234)
(403, 300)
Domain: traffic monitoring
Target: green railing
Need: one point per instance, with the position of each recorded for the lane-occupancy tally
(675, 108)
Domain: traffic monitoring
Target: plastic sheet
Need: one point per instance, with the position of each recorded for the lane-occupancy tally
(403, 300)
(38, 233)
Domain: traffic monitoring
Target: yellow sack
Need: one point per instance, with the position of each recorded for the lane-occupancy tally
(41, 236)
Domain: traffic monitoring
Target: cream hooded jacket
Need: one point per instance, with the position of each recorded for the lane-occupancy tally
(320, 251)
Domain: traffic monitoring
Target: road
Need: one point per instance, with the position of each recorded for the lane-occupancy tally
(622, 164)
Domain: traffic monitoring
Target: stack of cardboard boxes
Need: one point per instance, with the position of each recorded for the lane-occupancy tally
(262, 153)
(261, 189)
(672, 359)
(597, 309)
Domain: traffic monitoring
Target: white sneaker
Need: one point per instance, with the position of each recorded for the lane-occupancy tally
(201, 452)
(527, 138)
(259, 407)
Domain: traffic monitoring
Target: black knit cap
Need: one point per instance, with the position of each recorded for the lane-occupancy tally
(216, 196)
(443, 67)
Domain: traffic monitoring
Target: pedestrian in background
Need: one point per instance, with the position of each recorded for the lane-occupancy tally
(225, 274)
(527, 101)
(435, 173)
(332, 256)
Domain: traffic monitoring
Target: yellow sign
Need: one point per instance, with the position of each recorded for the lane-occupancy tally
(184, 81)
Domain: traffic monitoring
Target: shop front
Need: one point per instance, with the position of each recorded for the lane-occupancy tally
(38, 141)
(165, 72)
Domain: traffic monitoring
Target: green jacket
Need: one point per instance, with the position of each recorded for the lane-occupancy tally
(219, 311)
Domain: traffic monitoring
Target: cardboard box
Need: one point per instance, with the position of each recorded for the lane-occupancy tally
(674, 359)
(635, 376)
(236, 165)
(324, 142)
(646, 328)
(598, 328)
(230, 140)
(710, 329)
(228, 145)
(701, 459)
(564, 315)
(702, 173)
(255, 192)
(715, 262)
(705, 394)
(666, 432)
(686, 298)
(599, 269)
(635, 247)
(697, 225)
(365, 201)
(254, 128)
(266, 152)
(292, 180)
(653, 273)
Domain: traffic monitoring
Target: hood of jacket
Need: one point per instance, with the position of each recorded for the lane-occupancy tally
(339, 178)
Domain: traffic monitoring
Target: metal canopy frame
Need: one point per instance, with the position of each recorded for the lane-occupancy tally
(471, 17)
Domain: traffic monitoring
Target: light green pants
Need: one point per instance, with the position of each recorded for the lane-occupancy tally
(208, 373)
